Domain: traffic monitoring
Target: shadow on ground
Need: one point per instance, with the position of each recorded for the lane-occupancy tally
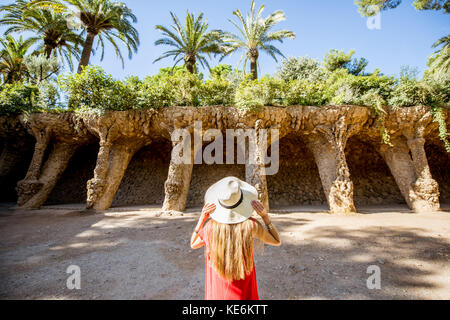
(138, 255)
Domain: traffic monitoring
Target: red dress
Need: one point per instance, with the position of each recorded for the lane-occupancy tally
(217, 288)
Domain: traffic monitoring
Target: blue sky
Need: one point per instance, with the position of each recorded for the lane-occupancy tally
(405, 37)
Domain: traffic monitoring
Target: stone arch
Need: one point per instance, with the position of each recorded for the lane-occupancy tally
(373, 182)
(204, 175)
(71, 187)
(143, 181)
(297, 181)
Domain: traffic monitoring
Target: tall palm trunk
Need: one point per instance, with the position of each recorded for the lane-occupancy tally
(48, 51)
(254, 68)
(190, 61)
(253, 55)
(87, 50)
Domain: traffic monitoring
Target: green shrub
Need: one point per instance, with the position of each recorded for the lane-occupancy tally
(302, 68)
(305, 93)
(94, 89)
(186, 89)
(427, 92)
(154, 93)
(18, 98)
(217, 91)
(370, 90)
(255, 94)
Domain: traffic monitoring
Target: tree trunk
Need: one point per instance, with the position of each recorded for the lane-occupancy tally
(253, 55)
(48, 51)
(254, 68)
(189, 61)
(87, 50)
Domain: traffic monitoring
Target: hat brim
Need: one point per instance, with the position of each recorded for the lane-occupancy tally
(232, 216)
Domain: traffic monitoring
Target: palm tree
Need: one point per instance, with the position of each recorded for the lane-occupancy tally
(109, 21)
(190, 42)
(255, 35)
(440, 61)
(48, 24)
(12, 54)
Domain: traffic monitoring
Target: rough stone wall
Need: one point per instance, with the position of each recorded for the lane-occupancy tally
(439, 161)
(297, 181)
(16, 150)
(203, 176)
(143, 182)
(331, 154)
(71, 187)
(372, 180)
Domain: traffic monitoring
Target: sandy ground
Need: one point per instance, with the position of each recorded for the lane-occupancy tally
(134, 253)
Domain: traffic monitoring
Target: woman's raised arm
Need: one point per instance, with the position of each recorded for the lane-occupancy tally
(271, 235)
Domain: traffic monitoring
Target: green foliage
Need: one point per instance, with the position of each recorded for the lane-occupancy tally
(217, 91)
(439, 62)
(336, 59)
(370, 90)
(12, 54)
(302, 68)
(306, 93)
(255, 94)
(255, 34)
(18, 98)
(49, 27)
(372, 7)
(94, 89)
(221, 71)
(40, 69)
(438, 115)
(190, 43)
(427, 92)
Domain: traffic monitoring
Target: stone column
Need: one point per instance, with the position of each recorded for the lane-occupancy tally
(42, 141)
(179, 177)
(112, 171)
(96, 185)
(53, 169)
(255, 173)
(328, 146)
(30, 185)
(426, 189)
(401, 166)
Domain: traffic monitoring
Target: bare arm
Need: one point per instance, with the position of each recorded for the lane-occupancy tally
(271, 235)
(196, 241)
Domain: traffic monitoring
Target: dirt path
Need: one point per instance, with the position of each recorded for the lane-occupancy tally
(134, 254)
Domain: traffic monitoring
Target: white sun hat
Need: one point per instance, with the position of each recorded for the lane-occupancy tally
(233, 199)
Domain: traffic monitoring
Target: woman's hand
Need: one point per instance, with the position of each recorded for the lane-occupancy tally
(206, 211)
(259, 208)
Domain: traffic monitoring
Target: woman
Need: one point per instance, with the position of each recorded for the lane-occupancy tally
(229, 239)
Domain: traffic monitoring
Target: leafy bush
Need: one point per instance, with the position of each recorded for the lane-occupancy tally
(305, 93)
(427, 92)
(18, 98)
(94, 89)
(217, 91)
(154, 93)
(255, 94)
(370, 90)
(302, 68)
(336, 59)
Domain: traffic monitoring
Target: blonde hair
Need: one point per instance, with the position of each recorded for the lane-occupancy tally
(231, 248)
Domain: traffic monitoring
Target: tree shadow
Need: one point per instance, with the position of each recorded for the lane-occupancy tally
(139, 255)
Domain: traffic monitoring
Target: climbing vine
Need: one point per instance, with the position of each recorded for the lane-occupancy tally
(438, 115)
